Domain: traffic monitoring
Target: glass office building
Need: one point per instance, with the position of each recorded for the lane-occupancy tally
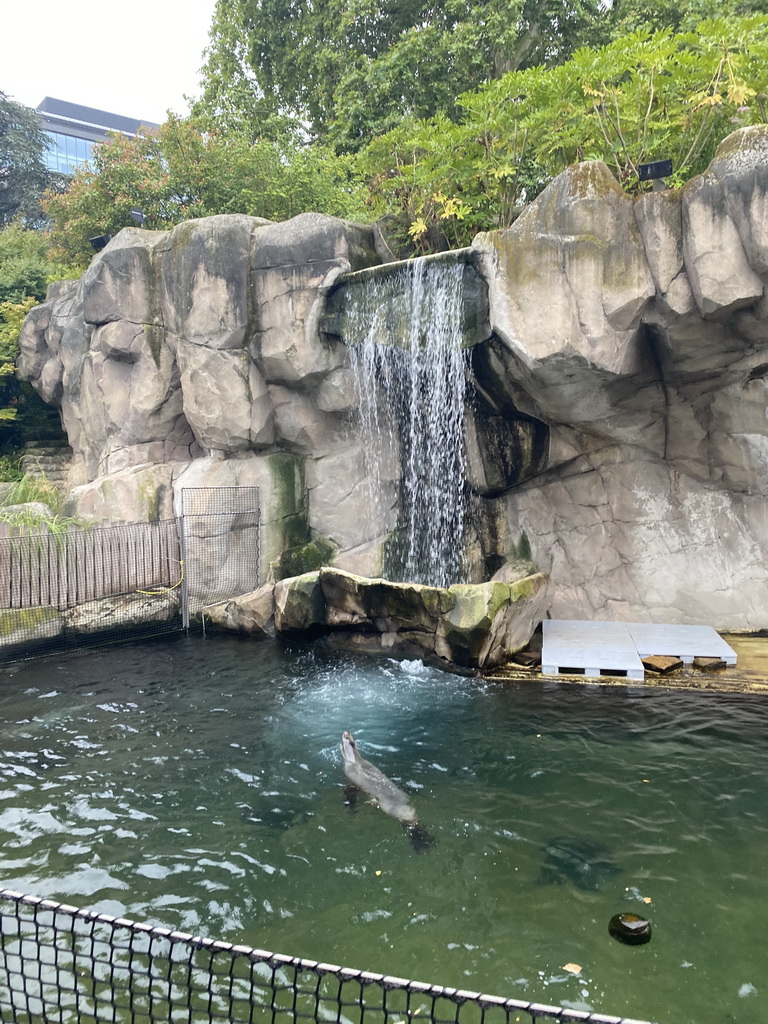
(74, 130)
(66, 152)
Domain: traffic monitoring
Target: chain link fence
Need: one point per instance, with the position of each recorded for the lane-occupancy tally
(59, 963)
(219, 544)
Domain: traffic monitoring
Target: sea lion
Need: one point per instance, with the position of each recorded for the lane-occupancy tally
(389, 797)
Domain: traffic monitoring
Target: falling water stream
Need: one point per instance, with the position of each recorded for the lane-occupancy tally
(411, 375)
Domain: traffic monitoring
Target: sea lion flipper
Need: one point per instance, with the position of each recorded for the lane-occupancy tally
(419, 838)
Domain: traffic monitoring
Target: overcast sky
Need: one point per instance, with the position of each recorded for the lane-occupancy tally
(137, 58)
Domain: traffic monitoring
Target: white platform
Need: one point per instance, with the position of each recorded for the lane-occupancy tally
(684, 642)
(595, 649)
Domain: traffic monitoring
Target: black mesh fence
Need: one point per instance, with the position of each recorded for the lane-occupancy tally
(71, 966)
(220, 544)
(88, 587)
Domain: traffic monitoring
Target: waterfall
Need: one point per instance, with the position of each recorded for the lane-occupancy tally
(411, 376)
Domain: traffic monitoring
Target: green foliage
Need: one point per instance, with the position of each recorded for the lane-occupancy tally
(352, 69)
(646, 96)
(624, 16)
(11, 318)
(184, 171)
(25, 273)
(28, 489)
(10, 468)
(37, 490)
(25, 267)
(23, 174)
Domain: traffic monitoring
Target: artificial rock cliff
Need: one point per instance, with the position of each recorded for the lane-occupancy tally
(617, 431)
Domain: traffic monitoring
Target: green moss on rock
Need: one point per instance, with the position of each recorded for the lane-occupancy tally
(304, 558)
(19, 625)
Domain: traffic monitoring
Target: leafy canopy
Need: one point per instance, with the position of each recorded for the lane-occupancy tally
(25, 273)
(646, 96)
(348, 70)
(23, 173)
(184, 171)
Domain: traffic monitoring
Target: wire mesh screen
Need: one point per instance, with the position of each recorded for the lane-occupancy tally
(220, 541)
(59, 963)
(85, 587)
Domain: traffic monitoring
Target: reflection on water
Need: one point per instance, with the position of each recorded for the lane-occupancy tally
(198, 784)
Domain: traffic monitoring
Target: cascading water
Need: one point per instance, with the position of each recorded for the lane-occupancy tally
(411, 375)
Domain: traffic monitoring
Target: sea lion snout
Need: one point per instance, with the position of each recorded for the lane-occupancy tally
(349, 748)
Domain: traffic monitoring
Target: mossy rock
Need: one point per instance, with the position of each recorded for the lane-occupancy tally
(19, 626)
(303, 558)
(300, 606)
(384, 604)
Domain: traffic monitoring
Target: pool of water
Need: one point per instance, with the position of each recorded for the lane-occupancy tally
(198, 784)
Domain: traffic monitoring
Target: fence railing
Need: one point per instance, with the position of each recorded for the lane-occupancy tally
(40, 568)
(60, 963)
(85, 587)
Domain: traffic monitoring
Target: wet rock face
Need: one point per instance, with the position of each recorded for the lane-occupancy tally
(617, 428)
(637, 332)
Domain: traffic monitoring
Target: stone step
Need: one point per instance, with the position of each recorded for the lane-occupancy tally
(47, 461)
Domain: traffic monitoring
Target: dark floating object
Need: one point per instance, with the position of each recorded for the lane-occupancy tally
(630, 929)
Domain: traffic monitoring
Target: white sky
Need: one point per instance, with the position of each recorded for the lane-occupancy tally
(137, 58)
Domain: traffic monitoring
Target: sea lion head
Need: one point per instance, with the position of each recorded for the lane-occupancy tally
(349, 748)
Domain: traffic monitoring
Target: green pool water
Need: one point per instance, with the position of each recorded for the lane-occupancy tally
(198, 784)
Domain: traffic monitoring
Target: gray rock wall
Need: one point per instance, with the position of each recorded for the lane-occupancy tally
(193, 358)
(619, 427)
(638, 331)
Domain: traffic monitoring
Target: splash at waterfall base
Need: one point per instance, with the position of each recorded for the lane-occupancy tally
(609, 403)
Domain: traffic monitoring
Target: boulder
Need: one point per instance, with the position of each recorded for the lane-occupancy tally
(340, 500)
(300, 606)
(292, 265)
(121, 612)
(27, 510)
(569, 287)
(205, 282)
(168, 347)
(716, 262)
(138, 494)
(383, 606)
(20, 627)
(120, 283)
(491, 621)
(252, 613)
(224, 398)
(465, 626)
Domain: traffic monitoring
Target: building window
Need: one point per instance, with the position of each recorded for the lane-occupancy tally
(66, 152)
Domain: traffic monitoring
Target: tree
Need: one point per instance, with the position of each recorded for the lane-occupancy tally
(625, 16)
(351, 69)
(23, 173)
(25, 267)
(183, 171)
(645, 96)
(25, 273)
